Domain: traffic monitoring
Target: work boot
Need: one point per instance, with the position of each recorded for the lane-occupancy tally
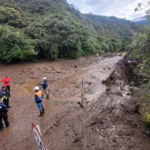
(43, 111)
(7, 125)
(41, 114)
(47, 97)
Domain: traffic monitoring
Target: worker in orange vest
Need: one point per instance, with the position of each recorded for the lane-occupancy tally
(39, 100)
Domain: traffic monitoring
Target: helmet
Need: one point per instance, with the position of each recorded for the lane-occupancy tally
(3, 87)
(36, 88)
(44, 78)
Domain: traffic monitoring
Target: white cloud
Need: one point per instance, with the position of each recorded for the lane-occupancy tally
(118, 8)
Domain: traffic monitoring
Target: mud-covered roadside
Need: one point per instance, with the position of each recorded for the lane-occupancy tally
(110, 123)
(65, 78)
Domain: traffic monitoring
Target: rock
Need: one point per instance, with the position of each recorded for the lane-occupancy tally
(103, 82)
(97, 55)
(79, 103)
(108, 89)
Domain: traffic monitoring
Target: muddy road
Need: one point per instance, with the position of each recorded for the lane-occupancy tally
(65, 78)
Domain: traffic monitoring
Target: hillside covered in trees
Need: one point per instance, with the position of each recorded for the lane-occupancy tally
(31, 29)
(140, 51)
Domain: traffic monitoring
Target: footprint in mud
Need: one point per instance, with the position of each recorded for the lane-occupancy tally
(28, 87)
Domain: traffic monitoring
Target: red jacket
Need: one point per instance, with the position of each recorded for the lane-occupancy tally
(6, 81)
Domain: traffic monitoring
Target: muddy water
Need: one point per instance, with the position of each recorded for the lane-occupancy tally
(65, 91)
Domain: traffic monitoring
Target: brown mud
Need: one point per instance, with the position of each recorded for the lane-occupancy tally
(109, 122)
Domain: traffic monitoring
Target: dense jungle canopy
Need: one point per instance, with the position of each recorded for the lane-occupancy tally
(32, 29)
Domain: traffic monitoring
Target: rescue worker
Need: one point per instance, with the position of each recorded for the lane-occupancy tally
(7, 95)
(3, 114)
(39, 99)
(6, 82)
(45, 87)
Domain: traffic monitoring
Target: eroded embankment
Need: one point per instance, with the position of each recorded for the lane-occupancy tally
(110, 123)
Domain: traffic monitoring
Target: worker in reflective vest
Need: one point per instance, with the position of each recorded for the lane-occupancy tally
(39, 100)
(45, 87)
(7, 95)
(3, 113)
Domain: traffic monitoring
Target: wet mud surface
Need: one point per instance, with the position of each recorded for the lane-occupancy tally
(106, 123)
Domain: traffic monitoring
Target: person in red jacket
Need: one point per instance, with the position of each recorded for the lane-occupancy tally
(6, 82)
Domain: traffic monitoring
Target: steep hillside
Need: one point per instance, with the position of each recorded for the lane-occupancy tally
(120, 29)
(54, 29)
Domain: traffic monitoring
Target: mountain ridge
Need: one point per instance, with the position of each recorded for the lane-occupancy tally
(141, 20)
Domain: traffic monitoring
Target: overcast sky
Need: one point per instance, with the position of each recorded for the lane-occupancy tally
(118, 8)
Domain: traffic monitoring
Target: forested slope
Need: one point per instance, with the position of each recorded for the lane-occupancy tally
(140, 51)
(31, 29)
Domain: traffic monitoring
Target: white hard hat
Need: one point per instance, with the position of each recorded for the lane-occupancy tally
(44, 78)
(36, 88)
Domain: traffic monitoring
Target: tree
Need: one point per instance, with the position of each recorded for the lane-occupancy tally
(12, 17)
(32, 29)
(15, 46)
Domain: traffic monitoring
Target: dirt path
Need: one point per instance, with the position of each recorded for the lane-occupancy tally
(65, 84)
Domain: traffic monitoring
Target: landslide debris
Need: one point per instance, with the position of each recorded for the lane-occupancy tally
(110, 123)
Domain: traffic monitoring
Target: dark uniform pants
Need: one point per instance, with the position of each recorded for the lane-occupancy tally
(8, 88)
(6, 102)
(3, 116)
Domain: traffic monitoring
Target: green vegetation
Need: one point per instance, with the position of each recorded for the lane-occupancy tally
(140, 50)
(15, 45)
(11, 17)
(53, 29)
(145, 111)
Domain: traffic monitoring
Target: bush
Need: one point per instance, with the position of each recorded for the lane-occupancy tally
(145, 110)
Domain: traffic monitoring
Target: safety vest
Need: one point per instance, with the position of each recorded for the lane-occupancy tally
(39, 95)
(3, 98)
